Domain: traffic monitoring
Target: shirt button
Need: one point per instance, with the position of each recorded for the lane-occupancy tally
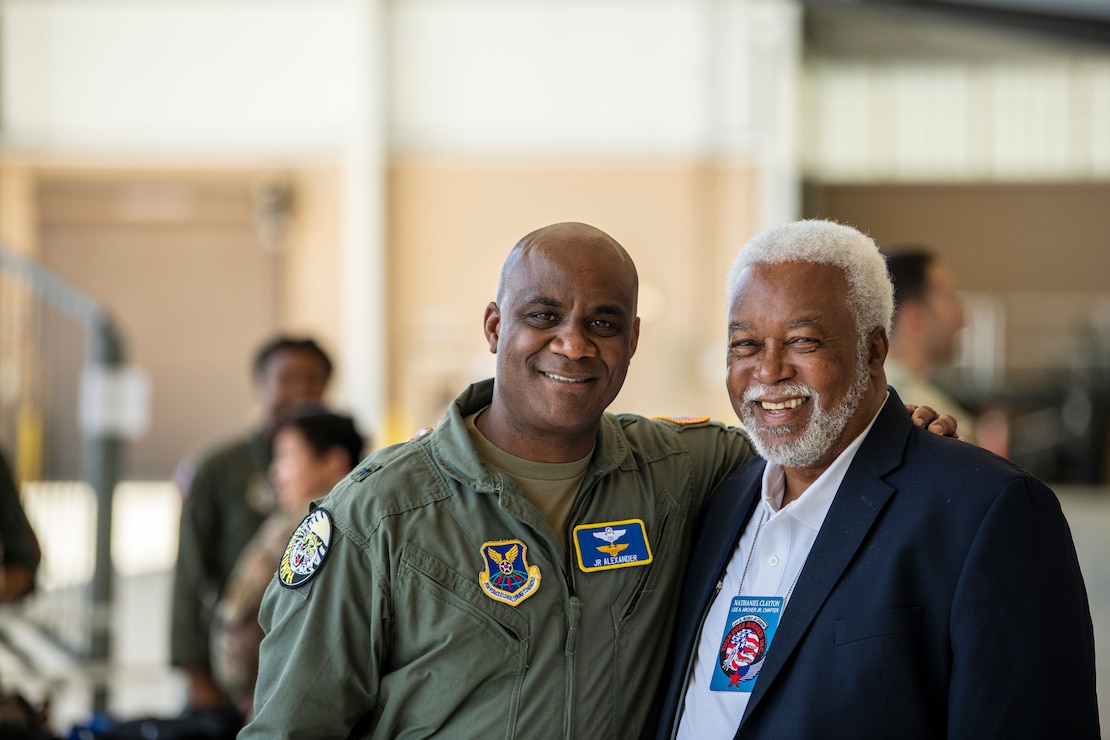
(772, 561)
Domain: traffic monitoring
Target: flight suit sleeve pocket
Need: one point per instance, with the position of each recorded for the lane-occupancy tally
(878, 624)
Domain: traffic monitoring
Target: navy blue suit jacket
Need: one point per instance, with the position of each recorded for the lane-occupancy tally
(941, 599)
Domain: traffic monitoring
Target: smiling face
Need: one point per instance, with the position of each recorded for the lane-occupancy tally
(564, 329)
(799, 375)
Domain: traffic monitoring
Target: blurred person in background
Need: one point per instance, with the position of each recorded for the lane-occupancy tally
(19, 561)
(226, 497)
(928, 315)
(313, 449)
(19, 548)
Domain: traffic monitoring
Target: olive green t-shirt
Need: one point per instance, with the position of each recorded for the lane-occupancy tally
(550, 487)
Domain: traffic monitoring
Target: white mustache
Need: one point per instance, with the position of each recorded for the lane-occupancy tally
(755, 392)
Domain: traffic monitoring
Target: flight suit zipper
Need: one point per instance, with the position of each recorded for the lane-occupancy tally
(574, 611)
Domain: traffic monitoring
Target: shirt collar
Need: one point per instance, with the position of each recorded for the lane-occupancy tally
(811, 507)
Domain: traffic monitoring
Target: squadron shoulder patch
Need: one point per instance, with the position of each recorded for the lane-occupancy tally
(508, 577)
(684, 421)
(610, 545)
(306, 550)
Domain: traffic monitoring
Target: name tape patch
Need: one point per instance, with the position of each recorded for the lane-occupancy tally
(610, 545)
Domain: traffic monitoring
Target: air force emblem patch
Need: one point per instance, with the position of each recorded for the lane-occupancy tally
(610, 545)
(306, 550)
(508, 577)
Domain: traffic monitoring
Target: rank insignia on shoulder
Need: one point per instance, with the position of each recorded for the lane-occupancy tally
(610, 545)
(684, 421)
(306, 550)
(508, 577)
(365, 472)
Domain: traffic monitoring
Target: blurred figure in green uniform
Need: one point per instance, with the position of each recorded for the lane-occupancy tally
(227, 496)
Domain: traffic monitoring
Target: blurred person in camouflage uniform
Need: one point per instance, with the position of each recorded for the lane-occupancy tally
(313, 449)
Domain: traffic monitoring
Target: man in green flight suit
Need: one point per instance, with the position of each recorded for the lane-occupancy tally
(514, 572)
(225, 501)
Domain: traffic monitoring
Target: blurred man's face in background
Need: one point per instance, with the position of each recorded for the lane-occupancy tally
(290, 378)
(944, 310)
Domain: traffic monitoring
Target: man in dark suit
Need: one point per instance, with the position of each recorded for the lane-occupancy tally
(866, 579)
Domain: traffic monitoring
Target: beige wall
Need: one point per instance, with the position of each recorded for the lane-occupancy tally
(453, 221)
(176, 258)
(309, 276)
(194, 290)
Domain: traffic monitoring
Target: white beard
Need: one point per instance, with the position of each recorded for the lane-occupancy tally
(822, 430)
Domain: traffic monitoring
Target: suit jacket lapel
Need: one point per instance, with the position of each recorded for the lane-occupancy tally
(722, 521)
(860, 498)
(725, 516)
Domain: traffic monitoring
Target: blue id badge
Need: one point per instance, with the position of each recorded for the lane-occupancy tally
(749, 628)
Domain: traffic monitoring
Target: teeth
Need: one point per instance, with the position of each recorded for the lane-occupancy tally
(793, 403)
(562, 379)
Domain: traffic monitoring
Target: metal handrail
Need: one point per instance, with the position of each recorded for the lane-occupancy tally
(101, 461)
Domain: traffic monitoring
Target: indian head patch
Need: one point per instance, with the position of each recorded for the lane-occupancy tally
(610, 545)
(306, 550)
(508, 577)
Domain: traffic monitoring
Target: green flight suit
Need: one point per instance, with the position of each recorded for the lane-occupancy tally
(396, 634)
(226, 502)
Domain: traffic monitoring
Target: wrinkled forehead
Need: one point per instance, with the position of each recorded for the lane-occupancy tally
(788, 290)
(792, 278)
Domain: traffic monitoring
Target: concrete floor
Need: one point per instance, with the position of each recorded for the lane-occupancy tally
(142, 684)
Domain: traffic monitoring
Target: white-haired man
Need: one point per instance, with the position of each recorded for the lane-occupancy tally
(865, 580)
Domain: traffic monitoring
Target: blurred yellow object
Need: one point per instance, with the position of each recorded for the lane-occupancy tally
(28, 461)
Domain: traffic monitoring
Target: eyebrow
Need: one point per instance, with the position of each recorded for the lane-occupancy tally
(542, 300)
(799, 323)
(604, 309)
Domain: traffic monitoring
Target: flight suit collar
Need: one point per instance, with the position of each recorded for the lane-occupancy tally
(455, 453)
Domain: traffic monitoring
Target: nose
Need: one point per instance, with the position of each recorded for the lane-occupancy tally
(772, 365)
(573, 342)
(304, 388)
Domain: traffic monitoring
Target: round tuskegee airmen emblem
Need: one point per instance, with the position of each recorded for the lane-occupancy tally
(743, 649)
(306, 550)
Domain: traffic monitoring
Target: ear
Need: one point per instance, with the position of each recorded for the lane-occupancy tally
(491, 325)
(878, 345)
(635, 336)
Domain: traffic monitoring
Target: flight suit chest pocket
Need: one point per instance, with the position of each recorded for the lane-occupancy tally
(432, 592)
